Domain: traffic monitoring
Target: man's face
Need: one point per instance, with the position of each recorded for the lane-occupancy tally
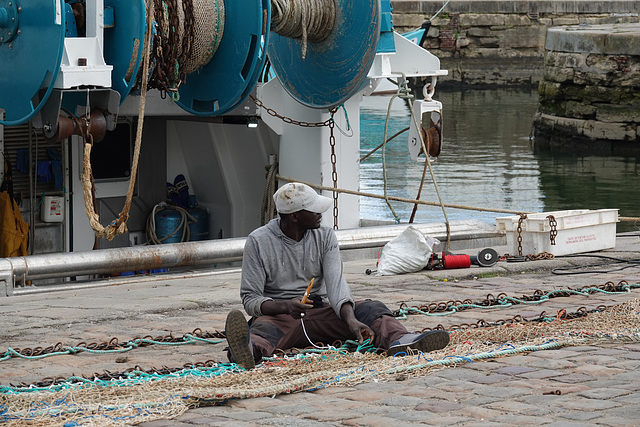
(309, 220)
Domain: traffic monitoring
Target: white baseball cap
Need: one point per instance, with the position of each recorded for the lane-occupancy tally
(294, 197)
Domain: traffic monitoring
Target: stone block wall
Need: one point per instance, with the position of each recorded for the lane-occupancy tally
(485, 43)
(590, 92)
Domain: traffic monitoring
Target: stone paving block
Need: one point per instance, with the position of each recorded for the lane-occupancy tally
(517, 420)
(515, 407)
(492, 379)
(598, 370)
(514, 370)
(585, 403)
(330, 416)
(580, 416)
(402, 401)
(610, 351)
(363, 396)
(620, 421)
(573, 378)
(165, 423)
(554, 354)
(289, 421)
(542, 373)
(496, 391)
(479, 413)
(458, 373)
(195, 419)
(609, 393)
(374, 421)
(630, 356)
(627, 411)
(478, 401)
(438, 406)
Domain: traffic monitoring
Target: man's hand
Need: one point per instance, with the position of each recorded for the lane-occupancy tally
(293, 307)
(358, 329)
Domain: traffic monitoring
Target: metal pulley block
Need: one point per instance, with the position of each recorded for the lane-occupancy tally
(429, 116)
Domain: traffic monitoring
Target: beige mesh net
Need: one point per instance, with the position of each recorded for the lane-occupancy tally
(170, 396)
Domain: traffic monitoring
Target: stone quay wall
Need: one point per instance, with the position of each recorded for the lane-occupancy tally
(493, 43)
(590, 93)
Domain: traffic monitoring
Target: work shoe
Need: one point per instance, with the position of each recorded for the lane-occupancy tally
(237, 332)
(424, 342)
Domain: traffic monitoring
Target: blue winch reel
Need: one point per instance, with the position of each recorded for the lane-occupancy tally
(226, 81)
(32, 38)
(31, 47)
(123, 43)
(335, 68)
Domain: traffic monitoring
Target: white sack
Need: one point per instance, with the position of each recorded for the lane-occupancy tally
(407, 253)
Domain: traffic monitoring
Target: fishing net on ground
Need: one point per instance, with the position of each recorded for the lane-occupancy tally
(143, 398)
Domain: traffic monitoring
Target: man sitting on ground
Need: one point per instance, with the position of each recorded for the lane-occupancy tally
(280, 259)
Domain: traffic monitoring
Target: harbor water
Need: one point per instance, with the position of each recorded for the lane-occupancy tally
(488, 161)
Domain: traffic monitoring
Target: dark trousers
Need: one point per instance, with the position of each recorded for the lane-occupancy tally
(322, 325)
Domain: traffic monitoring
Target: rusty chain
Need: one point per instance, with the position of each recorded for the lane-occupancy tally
(519, 229)
(169, 55)
(553, 224)
(330, 123)
(581, 312)
(115, 344)
(492, 300)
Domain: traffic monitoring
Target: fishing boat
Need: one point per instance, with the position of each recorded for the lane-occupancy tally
(138, 138)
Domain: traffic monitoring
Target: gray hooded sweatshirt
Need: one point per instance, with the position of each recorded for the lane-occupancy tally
(276, 267)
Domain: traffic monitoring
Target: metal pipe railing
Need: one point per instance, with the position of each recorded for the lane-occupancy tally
(201, 253)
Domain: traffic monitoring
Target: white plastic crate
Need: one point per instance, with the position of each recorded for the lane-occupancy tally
(578, 231)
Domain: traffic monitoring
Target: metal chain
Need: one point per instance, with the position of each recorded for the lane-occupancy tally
(288, 120)
(332, 142)
(334, 172)
(562, 314)
(492, 300)
(554, 229)
(115, 344)
(519, 238)
(188, 38)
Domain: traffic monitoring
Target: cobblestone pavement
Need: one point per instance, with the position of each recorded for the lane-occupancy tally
(576, 385)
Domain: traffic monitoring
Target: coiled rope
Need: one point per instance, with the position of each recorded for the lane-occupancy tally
(307, 20)
(186, 219)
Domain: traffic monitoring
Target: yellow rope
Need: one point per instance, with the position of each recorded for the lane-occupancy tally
(119, 226)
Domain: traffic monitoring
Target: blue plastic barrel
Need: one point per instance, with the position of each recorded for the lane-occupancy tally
(200, 229)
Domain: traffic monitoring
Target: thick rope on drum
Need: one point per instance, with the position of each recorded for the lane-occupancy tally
(307, 20)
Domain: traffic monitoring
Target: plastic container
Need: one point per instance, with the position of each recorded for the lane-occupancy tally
(578, 231)
(52, 209)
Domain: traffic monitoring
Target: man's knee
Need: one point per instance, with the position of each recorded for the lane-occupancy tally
(369, 311)
(268, 331)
